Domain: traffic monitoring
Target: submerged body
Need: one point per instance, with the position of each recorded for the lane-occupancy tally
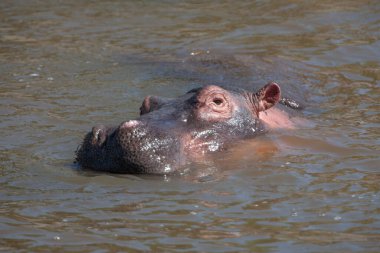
(171, 132)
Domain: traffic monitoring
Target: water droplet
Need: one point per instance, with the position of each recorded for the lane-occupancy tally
(167, 168)
(166, 178)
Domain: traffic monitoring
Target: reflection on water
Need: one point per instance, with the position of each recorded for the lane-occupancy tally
(65, 67)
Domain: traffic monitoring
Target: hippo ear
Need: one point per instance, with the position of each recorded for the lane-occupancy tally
(152, 103)
(268, 96)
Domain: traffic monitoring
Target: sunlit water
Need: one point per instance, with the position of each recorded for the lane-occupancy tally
(66, 66)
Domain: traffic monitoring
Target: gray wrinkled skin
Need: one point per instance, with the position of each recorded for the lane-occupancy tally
(170, 132)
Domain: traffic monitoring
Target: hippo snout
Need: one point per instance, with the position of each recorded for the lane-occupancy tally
(132, 147)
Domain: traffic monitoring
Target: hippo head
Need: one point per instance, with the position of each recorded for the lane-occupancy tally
(170, 132)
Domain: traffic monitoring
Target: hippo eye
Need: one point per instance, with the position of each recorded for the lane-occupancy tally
(217, 101)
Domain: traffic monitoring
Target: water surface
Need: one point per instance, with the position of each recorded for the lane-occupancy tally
(66, 66)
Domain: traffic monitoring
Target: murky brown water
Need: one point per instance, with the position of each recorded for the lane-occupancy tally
(65, 66)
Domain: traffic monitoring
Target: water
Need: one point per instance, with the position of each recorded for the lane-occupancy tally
(66, 66)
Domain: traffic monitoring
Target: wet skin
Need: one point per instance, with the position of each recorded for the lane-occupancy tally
(173, 131)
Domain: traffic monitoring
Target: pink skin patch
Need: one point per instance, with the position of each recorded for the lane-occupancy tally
(275, 118)
(130, 124)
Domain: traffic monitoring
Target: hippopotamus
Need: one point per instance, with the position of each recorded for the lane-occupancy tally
(173, 131)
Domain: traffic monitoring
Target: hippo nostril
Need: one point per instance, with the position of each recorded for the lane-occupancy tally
(98, 135)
